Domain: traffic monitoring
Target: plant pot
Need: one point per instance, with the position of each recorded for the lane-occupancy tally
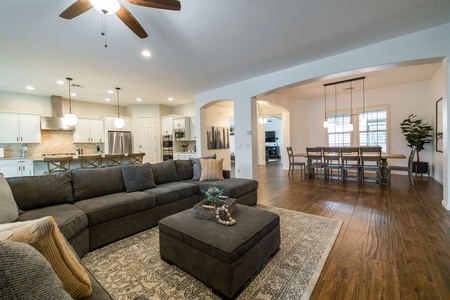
(201, 211)
(420, 167)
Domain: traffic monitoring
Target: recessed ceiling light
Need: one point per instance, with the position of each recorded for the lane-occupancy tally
(146, 53)
(138, 99)
(60, 82)
(30, 88)
(107, 99)
(170, 99)
(110, 92)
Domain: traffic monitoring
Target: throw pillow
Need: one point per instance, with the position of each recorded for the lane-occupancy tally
(26, 274)
(44, 235)
(165, 172)
(138, 177)
(197, 167)
(211, 169)
(8, 212)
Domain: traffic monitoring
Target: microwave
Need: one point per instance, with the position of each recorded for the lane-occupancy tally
(180, 134)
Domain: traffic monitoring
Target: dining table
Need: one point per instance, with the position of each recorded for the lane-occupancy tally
(384, 163)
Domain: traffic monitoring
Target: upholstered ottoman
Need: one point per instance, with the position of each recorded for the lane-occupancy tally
(222, 257)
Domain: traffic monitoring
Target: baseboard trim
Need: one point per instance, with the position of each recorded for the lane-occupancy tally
(447, 207)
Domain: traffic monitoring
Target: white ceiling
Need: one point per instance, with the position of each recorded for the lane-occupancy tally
(208, 44)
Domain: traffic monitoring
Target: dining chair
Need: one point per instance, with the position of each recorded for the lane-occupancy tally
(136, 158)
(332, 161)
(408, 168)
(58, 164)
(351, 161)
(314, 158)
(293, 163)
(114, 159)
(370, 164)
(90, 161)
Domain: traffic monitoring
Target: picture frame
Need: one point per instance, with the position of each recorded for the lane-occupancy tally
(218, 137)
(439, 127)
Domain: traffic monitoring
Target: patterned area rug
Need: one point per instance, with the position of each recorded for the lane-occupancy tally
(133, 266)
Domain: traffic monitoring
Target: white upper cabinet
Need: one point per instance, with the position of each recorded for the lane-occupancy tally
(20, 128)
(181, 123)
(88, 130)
(167, 125)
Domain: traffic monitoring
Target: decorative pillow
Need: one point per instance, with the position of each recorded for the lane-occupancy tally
(26, 274)
(32, 192)
(197, 167)
(138, 177)
(44, 235)
(211, 169)
(8, 212)
(165, 172)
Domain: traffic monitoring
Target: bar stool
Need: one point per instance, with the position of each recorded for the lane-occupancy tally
(136, 158)
(114, 159)
(58, 164)
(90, 161)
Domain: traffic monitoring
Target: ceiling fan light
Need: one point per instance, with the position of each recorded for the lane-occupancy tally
(106, 7)
(70, 119)
(119, 122)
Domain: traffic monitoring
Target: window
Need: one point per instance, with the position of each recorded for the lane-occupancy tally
(373, 128)
(339, 133)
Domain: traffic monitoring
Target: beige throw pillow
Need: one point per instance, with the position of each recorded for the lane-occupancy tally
(212, 169)
(8, 207)
(44, 235)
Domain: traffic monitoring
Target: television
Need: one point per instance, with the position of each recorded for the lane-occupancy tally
(270, 137)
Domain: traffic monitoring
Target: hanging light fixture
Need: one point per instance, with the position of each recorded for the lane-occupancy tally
(70, 118)
(351, 107)
(106, 7)
(325, 123)
(118, 122)
(261, 118)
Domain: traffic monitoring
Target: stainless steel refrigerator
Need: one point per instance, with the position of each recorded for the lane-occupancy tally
(119, 142)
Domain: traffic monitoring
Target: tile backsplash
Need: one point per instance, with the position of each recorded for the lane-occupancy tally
(51, 142)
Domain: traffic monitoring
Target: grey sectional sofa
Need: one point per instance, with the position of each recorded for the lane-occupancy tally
(94, 207)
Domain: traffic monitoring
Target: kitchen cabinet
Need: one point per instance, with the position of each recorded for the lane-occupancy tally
(109, 121)
(20, 128)
(88, 130)
(167, 125)
(184, 155)
(180, 123)
(16, 167)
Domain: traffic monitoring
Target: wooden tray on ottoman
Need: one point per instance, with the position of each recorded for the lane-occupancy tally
(209, 213)
(222, 257)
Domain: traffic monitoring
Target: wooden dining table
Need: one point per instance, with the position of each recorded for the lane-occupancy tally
(384, 163)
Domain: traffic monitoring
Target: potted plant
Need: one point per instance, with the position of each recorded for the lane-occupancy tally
(206, 209)
(417, 134)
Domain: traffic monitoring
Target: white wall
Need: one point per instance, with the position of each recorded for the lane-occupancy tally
(437, 86)
(424, 44)
(187, 110)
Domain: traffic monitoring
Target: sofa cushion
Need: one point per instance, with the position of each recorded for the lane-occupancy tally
(89, 183)
(104, 208)
(184, 169)
(43, 234)
(197, 167)
(211, 169)
(138, 177)
(70, 219)
(26, 274)
(233, 187)
(32, 192)
(174, 191)
(165, 172)
(8, 211)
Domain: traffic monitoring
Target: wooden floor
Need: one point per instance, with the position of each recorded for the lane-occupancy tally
(394, 242)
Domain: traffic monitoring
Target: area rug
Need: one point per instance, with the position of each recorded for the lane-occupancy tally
(133, 266)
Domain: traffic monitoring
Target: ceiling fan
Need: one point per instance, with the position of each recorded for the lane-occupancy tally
(112, 6)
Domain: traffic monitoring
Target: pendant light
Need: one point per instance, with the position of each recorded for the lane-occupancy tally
(351, 107)
(261, 118)
(70, 118)
(118, 122)
(106, 7)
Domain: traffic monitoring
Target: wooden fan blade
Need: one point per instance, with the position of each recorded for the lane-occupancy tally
(76, 9)
(131, 22)
(162, 4)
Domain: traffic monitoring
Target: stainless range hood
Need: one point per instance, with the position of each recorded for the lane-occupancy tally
(56, 121)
